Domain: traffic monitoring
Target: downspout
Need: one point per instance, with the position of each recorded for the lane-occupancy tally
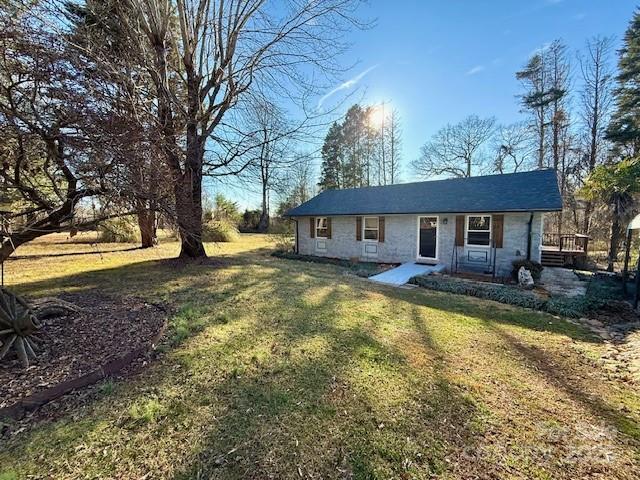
(529, 230)
(296, 242)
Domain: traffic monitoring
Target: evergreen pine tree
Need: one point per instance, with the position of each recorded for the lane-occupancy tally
(624, 129)
(331, 176)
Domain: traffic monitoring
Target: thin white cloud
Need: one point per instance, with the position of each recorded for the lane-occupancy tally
(579, 16)
(475, 70)
(352, 82)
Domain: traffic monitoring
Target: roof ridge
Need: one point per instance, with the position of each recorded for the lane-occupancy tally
(534, 190)
(453, 179)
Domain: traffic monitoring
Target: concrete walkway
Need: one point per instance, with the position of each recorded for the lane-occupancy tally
(401, 275)
(562, 281)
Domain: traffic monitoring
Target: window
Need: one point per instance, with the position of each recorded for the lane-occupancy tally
(479, 230)
(321, 227)
(371, 228)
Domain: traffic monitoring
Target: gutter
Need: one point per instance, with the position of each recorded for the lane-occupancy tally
(295, 247)
(422, 212)
(529, 230)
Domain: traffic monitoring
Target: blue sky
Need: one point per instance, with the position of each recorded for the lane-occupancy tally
(438, 61)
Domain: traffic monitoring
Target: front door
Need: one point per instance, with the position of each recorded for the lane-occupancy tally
(428, 238)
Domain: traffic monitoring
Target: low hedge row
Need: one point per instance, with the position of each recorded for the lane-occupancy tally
(569, 307)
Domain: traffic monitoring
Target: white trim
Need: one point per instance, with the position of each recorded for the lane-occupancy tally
(466, 230)
(364, 223)
(316, 226)
(418, 257)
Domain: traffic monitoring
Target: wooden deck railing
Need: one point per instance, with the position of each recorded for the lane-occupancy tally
(567, 242)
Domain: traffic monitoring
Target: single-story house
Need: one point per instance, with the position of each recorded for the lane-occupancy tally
(477, 223)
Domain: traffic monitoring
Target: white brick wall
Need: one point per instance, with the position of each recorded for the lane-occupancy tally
(401, 239)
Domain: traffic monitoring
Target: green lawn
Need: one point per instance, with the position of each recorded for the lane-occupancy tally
(283, 369)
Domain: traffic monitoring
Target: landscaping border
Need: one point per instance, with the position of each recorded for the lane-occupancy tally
(511, 295)
(19, 409)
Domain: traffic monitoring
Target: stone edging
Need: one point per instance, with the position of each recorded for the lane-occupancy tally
(19, 409)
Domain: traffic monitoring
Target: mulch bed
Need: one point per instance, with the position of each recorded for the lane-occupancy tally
(107, 328)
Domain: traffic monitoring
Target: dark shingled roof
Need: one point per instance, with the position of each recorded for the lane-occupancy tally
(514, 192)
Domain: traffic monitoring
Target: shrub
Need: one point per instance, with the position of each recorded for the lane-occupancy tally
(220, 231)
(283, 242)
(118, 230)
(534, 267)
(498, 293)
(568, 307)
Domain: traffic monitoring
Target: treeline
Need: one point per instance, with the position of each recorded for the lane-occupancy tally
(123, 108)
(362, 150)
(581, 117)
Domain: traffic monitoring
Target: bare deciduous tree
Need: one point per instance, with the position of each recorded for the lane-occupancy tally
(455, 150)
(514, 148)
(595, 107)
(57, 153)
(270, 152)
(207, 55)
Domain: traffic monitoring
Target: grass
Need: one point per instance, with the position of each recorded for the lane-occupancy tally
(284, 369)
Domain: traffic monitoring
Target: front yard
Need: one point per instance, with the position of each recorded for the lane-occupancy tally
(276, 368)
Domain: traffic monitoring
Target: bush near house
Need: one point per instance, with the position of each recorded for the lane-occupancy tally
(568, 307)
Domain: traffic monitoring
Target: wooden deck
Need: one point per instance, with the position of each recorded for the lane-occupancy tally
(563, 250)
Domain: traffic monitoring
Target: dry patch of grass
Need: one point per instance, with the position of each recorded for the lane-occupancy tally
(282, 369)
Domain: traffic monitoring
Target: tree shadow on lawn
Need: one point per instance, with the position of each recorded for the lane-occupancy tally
(549, 364)
(336, 401)
(144, 277)
(300, 388)
(565, 379)
(288, 373)
(37, 256)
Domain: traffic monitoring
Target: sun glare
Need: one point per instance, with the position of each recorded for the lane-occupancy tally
(376, 116)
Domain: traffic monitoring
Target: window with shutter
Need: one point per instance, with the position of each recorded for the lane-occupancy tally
(322, 227)
(479, 230)
(371, 229)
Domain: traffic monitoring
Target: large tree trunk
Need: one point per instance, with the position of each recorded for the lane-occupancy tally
(586, 224)
(189, 215)
(615, 242)
(263, 224)
(148, 228)
(187, 180)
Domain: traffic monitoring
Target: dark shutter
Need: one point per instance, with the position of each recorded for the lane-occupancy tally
(312, 227)
(459, 230)
(498, 228)
(328, 227)
(358, 228)
(381, 229)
